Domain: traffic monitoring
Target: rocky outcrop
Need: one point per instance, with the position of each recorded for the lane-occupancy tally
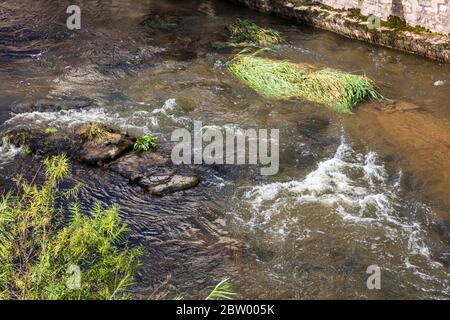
(89, 143)
(154, 173)
(104, 145)
(421, 141)
(98, 145)
(353, 25)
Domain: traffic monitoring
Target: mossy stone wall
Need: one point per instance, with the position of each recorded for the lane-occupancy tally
(431, 14)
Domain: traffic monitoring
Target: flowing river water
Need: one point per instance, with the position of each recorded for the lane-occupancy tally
(357, 190)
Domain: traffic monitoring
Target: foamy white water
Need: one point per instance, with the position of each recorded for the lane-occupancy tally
(350, 183)
(348, 202)
(139, 121)
(8, 153)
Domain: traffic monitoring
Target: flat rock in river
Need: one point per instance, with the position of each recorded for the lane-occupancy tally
(104, 146)
(155, 173)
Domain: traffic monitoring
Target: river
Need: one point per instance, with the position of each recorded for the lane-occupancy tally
(353, 191)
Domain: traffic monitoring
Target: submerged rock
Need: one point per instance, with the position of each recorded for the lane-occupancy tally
(396, 106)
(155, 173)
(105, 146)
(419, 139)
(45, 105)
(161, 184)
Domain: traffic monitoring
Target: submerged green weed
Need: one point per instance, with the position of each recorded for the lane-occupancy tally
(286, 80)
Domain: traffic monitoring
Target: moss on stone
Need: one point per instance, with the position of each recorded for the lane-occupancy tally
(400, 25)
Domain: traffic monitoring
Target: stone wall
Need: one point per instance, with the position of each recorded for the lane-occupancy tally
(431, 14)
(345, 22)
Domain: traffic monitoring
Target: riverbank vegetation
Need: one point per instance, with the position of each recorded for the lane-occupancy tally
(286, 80)
(52, 251)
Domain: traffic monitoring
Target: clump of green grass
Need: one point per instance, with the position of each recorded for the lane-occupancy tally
(46, 256)
(145, 143)
(50, 130)
(94, 131)
(247, 31)
(286, 80)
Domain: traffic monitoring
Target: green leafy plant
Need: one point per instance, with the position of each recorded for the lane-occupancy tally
(286, 80)
(27, 151)
(145, 143)
(40, 247)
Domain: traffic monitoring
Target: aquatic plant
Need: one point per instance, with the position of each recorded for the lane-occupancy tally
(286, 80)
(220, 45)
(145, 143)
(247, 31)
(45, 255)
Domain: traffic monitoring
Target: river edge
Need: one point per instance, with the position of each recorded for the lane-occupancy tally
(349, 24)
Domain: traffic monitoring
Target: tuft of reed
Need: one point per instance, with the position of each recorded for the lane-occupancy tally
(286, 80)
(247, 31)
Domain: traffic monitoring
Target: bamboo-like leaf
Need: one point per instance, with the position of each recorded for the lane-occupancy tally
(222, 291)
